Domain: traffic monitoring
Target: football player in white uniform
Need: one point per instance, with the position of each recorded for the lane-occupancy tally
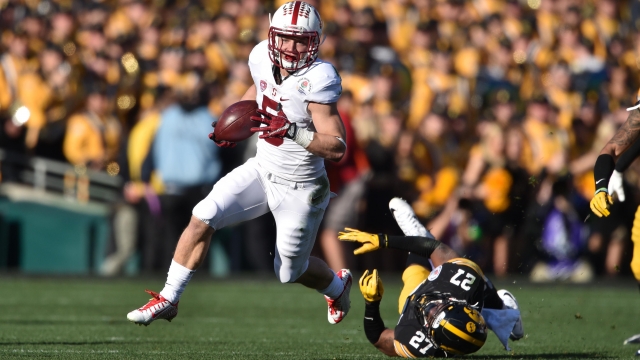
(297, 95)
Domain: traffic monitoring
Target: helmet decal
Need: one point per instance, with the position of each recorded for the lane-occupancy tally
(473, 314)
(471, 327)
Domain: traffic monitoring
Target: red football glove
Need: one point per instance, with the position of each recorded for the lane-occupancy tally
(221, 143)
(278, 126)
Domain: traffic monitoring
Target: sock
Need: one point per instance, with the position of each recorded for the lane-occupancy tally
(491, 298)
(334, 289)
(177, 279)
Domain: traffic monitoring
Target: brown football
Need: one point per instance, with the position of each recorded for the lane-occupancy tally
(235, 122)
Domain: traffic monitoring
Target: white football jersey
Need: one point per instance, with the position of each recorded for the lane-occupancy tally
(319, 83)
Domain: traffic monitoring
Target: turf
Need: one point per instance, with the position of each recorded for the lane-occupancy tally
(256, 319)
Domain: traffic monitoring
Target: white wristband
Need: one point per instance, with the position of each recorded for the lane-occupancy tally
(303, 137)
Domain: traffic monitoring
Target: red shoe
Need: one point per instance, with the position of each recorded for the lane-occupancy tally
(156, 308)
(339, 307)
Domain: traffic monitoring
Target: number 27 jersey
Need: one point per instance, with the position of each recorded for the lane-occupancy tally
(462, 279)
(318, 83)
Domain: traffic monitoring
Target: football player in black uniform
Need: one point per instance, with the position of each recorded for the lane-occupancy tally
(625, 147)
(441, 317)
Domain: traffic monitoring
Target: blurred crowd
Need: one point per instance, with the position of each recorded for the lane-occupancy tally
(486, 115)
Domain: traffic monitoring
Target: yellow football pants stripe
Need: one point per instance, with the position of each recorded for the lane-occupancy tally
(461, 334)
(635, 237)
(411, 277)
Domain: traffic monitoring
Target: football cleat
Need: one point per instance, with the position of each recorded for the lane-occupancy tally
(635, 339)
(339, 307)
(157, 308)
(510, 301)
(406, 218)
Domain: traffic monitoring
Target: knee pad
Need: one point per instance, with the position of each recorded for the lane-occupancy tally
(288, 270)
(412, 276)
(207, 211)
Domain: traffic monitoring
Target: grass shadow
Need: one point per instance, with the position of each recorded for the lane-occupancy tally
(570, 355)
(71, 343)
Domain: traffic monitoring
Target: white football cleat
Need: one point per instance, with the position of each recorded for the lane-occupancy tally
(339, 307)
(406, 218)
(157, 308)
(635, 339)
(510, 301)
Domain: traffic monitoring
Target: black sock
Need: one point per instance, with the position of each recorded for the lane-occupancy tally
(491, 298)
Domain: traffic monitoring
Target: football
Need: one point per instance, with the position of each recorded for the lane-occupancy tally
(235, 122)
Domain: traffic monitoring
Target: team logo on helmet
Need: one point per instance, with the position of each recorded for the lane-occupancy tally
(471, 327)
(263, 85)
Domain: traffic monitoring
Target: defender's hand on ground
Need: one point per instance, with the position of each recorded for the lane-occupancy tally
(600, 204)
(371, 286)
(370, 242)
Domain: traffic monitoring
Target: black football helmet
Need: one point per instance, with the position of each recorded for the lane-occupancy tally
(454, 326)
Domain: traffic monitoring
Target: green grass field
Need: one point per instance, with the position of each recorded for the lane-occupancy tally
(253, 319)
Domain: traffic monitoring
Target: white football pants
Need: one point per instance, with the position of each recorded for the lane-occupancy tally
(298, 207)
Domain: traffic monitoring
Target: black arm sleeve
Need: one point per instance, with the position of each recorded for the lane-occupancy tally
(423, 246)
(628, 156)
(602, 171)
(373, 324)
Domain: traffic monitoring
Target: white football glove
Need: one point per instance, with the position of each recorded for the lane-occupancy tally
(615, 186)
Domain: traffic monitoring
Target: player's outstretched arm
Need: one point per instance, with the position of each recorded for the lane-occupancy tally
(329, 140)
(438, 252)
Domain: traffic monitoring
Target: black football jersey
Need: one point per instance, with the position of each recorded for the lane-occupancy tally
(462, 279)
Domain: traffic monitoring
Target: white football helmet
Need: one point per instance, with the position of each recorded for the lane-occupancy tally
(299, 19)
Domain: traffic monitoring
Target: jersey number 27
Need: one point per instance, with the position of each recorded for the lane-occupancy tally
(464, 282)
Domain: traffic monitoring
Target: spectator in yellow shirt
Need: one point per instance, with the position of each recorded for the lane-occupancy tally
(93, 135)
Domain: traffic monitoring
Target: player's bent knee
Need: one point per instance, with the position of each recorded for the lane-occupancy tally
(412, 276)
(288, 271)
(206, 211)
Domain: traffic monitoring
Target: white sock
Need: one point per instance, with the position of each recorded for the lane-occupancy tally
(177, 279)
(334, 289)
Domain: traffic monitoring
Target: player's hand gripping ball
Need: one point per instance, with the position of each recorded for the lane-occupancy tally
(235, 124)
(600, 204)
(371, 286)
(220, 143)
(370, 242)
(278, 126)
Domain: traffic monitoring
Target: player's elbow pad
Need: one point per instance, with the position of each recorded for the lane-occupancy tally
(373, 324)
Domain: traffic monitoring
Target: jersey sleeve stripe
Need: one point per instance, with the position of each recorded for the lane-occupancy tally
(467, 262)
(402, 351)
(461, 334)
